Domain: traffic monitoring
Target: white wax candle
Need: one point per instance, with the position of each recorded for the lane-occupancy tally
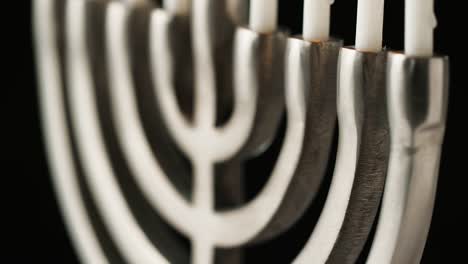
(179, 7)
(263, 15)
(316, 25)
(369, 27)
(419, 27)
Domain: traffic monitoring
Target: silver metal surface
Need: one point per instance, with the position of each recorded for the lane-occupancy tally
(115, 160)
(354, 196)
(417, 103)
(311, 67)
(267, 61)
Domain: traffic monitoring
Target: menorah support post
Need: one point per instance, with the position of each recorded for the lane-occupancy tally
(417, 90)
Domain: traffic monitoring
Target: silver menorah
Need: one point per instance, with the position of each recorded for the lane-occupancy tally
(129, 90)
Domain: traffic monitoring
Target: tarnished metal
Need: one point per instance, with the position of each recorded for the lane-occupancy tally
(354, 196)
(267, 61)
(311, 66)
(417, 92)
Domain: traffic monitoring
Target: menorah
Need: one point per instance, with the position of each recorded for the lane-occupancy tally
(133, 96)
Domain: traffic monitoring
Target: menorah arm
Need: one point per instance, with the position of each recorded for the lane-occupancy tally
(417, 103)
(229, 139)
(310, 97)
(55, 132)
(225, 227)
(123, 227)
(163, 64)
(249, 220)
(312, 66)
(147, 170)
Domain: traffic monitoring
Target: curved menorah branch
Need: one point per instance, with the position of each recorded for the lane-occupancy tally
(417, 103)
(354, 196)
(235, 133)
(254, 216)
(222, 142)
(177, 124)
(170, 158)
(57, 137)
(130, 130)
(124, 229)
(311, 66)
(417, 130)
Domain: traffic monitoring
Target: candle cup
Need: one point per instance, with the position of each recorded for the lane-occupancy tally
(356, 189)
(417, 104)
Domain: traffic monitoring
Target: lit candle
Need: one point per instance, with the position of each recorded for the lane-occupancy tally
(316, 26)
(263, 15)
(179, 7)
(419, 26)
(369, 25)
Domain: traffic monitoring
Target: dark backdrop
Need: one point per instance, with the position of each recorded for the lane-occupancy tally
(33, 229)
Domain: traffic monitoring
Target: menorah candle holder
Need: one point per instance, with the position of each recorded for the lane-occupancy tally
(131, 93)
(417, 95)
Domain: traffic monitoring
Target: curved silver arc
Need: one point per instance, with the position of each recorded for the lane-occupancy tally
(354, 195)
(58, 139)
(320, 244)
(124, 229)
(253, 217)
(312, 67)
(224, 226)
(417, 103)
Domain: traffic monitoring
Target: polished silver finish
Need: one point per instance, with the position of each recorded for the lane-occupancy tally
(361, 165)
(417, 104)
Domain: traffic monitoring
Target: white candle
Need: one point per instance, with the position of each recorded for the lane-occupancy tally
(263, 15)
(316, 23)
(178, 7)
(419, 27)
(369, 25)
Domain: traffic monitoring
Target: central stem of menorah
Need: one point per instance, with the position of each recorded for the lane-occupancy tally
(205, 110)
(202, 141)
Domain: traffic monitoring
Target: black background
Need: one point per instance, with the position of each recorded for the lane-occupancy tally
(33, 231)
